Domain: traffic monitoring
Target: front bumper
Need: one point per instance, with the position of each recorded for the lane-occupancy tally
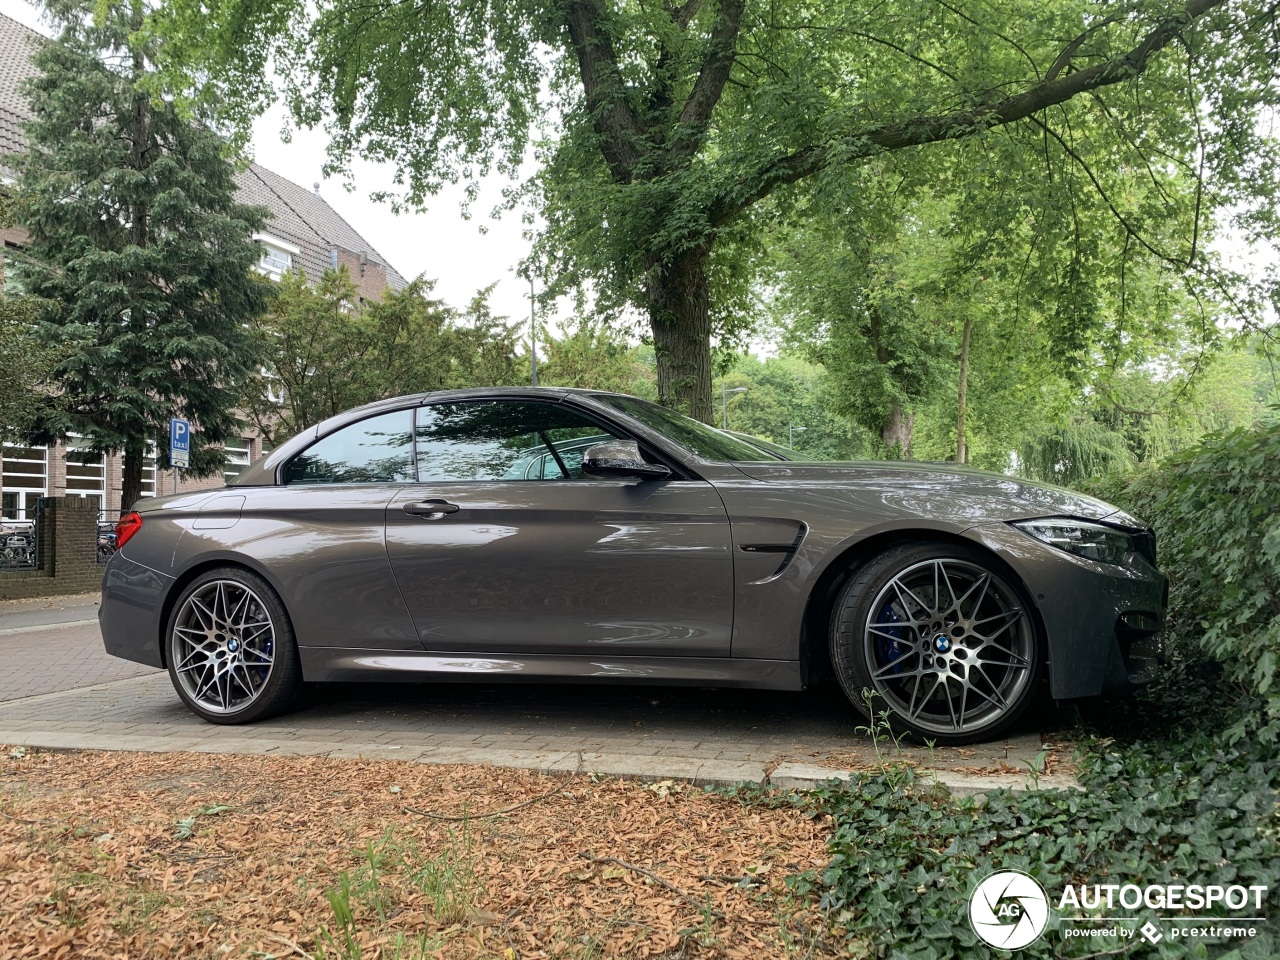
(129, 615)
(1102, 622)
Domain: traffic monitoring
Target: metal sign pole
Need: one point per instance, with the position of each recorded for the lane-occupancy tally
(533, 330)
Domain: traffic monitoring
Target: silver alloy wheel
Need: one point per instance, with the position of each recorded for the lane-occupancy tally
(949, 646)
(223, 646)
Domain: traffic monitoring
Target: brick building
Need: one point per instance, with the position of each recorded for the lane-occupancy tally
(303, 233)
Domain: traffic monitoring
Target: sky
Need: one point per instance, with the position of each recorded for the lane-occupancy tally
(438, 243)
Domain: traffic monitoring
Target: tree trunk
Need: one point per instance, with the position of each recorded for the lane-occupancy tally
(681, 324)
(962, 397)
(131, 478)
(897, 433)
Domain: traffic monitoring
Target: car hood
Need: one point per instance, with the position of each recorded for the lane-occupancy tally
(939, 489)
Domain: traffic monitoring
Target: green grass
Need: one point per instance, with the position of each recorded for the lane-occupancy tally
(364, 899)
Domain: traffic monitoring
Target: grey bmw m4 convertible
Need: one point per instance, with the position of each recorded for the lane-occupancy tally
(572, 535)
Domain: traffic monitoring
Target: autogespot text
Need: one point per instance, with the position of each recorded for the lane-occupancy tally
(1191, 896)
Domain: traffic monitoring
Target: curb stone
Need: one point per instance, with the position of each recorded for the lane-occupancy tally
(800, 776)
(702, 773)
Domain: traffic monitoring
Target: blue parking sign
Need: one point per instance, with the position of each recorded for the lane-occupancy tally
(180, 442)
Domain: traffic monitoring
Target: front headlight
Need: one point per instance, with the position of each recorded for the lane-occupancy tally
(1092, 541)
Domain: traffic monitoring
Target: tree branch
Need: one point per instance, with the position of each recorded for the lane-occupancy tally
(612, 116)
(1064, 58)
(954, 126)
(684, 14)
(716, 64)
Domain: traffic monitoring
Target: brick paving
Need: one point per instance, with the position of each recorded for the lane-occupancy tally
(62, 690)
(49, 659)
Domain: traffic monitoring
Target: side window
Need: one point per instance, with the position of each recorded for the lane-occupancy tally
(503, 440)
(377, 450)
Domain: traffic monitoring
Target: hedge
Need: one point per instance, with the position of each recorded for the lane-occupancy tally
(1216, 512)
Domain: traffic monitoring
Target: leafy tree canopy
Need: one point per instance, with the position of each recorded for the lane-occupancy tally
(26, 388)
(663, 128)
(319, 355)
(589, 355)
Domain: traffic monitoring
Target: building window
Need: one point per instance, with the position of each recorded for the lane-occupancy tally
(277, 256)
(25, 473)
(276, 262)
(148, 471)
(86, 472)
(237, 458)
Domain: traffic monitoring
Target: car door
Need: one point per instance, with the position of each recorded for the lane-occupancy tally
(502, 546)
(321, 534)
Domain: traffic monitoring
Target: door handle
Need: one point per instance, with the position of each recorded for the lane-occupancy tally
(431, 509)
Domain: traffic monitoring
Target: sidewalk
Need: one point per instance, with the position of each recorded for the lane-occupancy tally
(707, 736)
(52, 644)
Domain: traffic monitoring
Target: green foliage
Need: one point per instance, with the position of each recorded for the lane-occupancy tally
(138, 251)
(27, 388)
(787, 400)
(675, 123)
(367, 897)
(1074, 452)
(1063, 304)
(320, 355)
(589, 356)
(858, 290)
(1216, 512)
(1141, 413)
(1186, 810)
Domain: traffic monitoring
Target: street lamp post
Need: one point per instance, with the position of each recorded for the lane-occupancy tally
(724, 402)
(790, 434)
(533, 332)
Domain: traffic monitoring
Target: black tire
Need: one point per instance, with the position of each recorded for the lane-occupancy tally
(230, 647)
(939, 640)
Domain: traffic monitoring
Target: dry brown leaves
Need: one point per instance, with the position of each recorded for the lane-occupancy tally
(93, 863)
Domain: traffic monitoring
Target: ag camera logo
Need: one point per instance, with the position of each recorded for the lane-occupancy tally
(1009, 910)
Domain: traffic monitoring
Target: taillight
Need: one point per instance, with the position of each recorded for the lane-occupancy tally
(126, 527)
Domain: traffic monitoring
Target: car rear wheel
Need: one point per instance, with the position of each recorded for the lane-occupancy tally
(935, 639)
(231, 651)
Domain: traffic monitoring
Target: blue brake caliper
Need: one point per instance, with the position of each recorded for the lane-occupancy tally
(888, 650)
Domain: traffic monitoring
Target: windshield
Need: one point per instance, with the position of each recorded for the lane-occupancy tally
(707, 442)
(777, 449)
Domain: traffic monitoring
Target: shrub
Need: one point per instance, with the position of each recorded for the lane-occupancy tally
(904, 859)
(1216, 511)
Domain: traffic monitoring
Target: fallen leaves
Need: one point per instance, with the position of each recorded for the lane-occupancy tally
(522, 865)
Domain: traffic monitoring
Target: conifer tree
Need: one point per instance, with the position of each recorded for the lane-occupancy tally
(138, 248)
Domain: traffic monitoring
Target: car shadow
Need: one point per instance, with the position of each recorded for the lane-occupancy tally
(820, 715)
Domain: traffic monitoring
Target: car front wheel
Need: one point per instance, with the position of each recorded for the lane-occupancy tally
(231, 650)
(937, 641)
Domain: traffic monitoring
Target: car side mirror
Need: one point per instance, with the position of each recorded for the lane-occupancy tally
(620, 458)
